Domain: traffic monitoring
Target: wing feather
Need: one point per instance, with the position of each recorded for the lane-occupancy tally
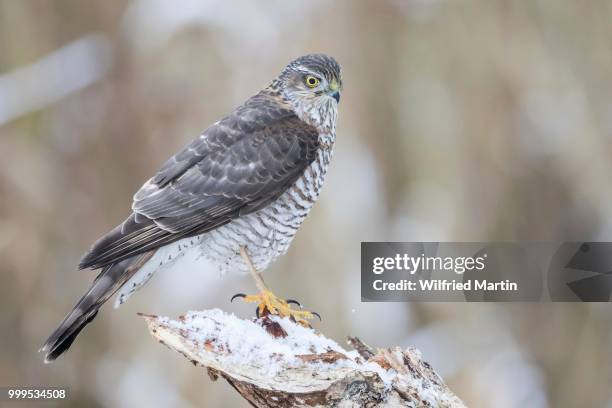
(238, 165)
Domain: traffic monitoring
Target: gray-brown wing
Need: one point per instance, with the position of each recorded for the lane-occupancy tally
(237, 166)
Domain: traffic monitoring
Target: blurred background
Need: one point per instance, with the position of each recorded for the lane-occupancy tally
(460, 121)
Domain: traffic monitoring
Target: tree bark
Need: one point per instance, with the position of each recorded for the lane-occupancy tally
(274, 362)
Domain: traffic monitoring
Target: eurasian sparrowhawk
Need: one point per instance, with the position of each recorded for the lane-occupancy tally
(237, 194)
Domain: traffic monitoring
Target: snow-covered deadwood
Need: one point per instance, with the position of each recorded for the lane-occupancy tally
(273, 362)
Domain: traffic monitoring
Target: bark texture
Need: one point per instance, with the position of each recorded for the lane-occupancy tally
(274, 362)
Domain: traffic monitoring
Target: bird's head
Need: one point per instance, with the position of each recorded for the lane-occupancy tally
(312, 84)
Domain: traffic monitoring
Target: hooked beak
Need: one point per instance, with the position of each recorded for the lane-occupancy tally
(335, 88)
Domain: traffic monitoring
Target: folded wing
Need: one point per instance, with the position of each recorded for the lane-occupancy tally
(237, 166)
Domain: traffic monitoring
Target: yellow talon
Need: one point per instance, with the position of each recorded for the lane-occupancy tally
(269, 303)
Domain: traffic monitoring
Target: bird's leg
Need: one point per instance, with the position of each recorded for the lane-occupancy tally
(268, 302)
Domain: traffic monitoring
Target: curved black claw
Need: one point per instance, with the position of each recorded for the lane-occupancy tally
(294, 302)
(318, 315)
(263, 313)
(237, 295)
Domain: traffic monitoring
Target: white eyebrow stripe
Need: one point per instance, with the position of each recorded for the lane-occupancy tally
(305, 70)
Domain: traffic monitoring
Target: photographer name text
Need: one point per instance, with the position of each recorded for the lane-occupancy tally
(444, 285)
(458, 265)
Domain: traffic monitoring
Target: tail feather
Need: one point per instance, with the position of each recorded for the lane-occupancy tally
(56, 348)
(110, 279)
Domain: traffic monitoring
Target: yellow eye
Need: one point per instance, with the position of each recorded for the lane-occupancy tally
(311, 81)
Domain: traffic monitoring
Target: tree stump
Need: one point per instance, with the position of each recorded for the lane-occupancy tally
(274, 362)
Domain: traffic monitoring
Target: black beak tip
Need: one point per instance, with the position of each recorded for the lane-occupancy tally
(336, 96)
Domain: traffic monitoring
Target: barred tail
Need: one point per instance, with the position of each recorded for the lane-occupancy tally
(110, 279)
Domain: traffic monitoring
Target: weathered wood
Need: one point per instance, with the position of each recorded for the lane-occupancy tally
(274, 362)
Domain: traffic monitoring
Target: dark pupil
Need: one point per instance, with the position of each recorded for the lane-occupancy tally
(312, 81)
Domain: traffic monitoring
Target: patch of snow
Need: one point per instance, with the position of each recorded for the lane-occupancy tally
(247, 342)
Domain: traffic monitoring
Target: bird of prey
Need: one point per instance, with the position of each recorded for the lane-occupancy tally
(237, 195)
